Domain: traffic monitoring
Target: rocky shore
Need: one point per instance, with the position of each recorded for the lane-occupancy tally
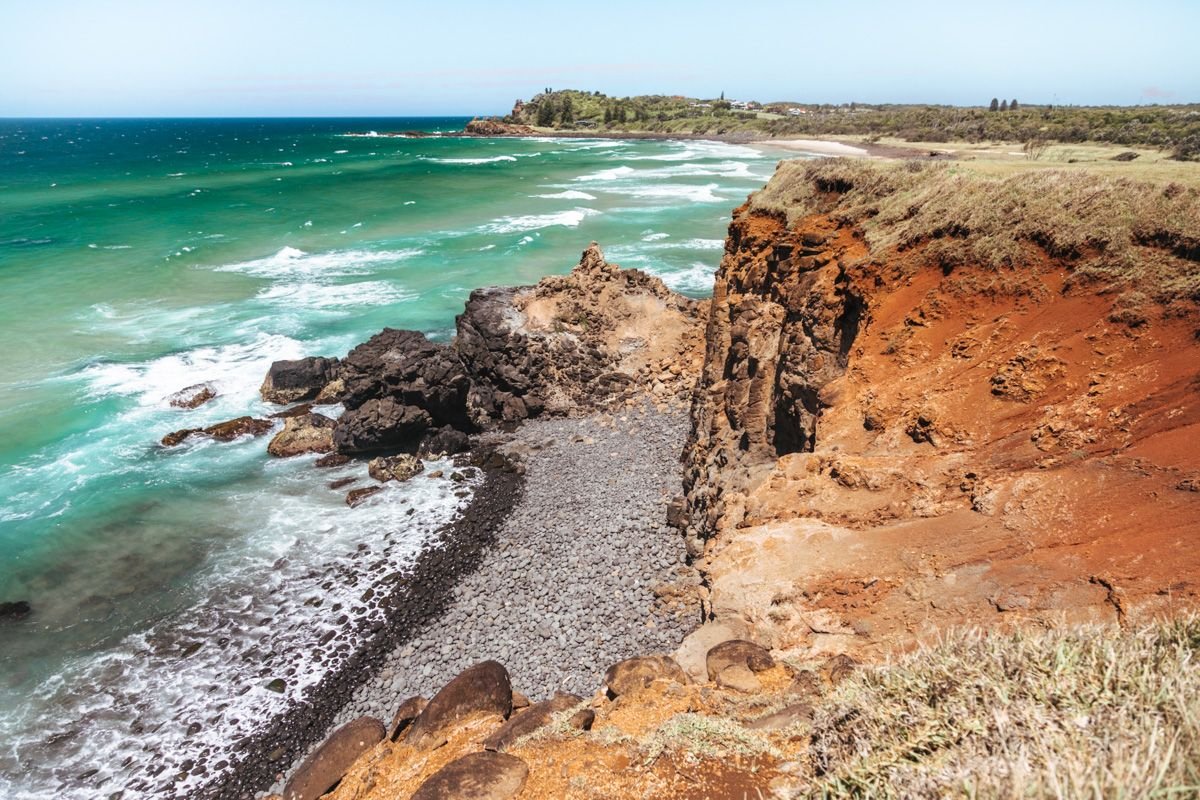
(570, 583)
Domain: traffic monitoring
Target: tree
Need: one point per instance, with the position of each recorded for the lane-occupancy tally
(722, 95)
(545, 112)
(1012, 106)
(1004, 106)
(567, 114)
(995, 106)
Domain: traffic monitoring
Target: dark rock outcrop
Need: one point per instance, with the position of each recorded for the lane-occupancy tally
(411, 370)
(380, 424)
(329, 763)
(445, 441)
(14, 610)
(355, 497)
(302, 379)
(478, 776)
(483, 688)
(494, 127)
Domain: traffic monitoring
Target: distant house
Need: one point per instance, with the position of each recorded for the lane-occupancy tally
(700, 105)
(795, 112)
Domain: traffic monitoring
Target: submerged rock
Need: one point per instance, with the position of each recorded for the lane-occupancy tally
(395, 468)
(330, 762)
(222, 431)
(356, 496)
(193, 396)
(307, 433)
(15, 610)
(302, 379)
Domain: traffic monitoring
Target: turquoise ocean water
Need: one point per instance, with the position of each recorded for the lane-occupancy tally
(138, 257)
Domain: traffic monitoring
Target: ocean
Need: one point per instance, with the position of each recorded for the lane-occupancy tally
(171, 587)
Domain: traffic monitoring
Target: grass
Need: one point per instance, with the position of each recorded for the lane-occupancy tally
(1122, 234)
(703, 737)
(1085, 713)
(1173, 129)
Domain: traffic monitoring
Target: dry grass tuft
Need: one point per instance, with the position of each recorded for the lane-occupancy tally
(1086, 713)
(1114, 232)
(702, 737)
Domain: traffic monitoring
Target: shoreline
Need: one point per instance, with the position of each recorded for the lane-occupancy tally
(526, 580)
(416, 598)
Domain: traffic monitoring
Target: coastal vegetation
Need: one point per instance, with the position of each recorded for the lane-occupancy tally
(1171, 128)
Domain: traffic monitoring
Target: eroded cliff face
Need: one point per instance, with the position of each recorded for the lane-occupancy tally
(887, 444)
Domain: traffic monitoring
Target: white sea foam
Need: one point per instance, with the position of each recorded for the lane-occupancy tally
(569, 194)
(236, 370)
(533, 222)
(293, 262)
(654, 237)
(333, 296)
(492, 160)
(694, 194)
(607, 174)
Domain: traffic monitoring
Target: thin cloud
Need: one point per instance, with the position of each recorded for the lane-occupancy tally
(1156, 92)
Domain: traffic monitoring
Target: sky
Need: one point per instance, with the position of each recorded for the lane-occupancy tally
(410, 57)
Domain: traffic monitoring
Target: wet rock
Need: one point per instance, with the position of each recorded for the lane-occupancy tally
(222, 431)
(294, 411)
(302, 379)
(395, 468)
(380, 425)
(634, 674)
(15, 610)
(307, 433)
(332, 460)
(333, 759)
(408, 711)
(355, 497)
(737, 652)
(536, 716)
(193, 396)
(341, 483)
(278, 685)
(483, 688)
(445, 441)
(478, 776)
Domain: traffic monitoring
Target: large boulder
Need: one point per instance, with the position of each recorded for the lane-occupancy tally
(739, 653)
(380, 424)
(445, 441)
(536, 716)
(632, 675)
(395, 468)
(483, 688)
(306, 433)
(193, 396)
(693, 650)
(302, 379)
(478, 776)
(330, 762)
(410, 369)
(408, 711)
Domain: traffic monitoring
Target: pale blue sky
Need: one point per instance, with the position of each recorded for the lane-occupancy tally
(368, 57)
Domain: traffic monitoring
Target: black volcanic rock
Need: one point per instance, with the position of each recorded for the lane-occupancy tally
(407, 367)
(380, 424)
(302, 379)
(15, 610)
